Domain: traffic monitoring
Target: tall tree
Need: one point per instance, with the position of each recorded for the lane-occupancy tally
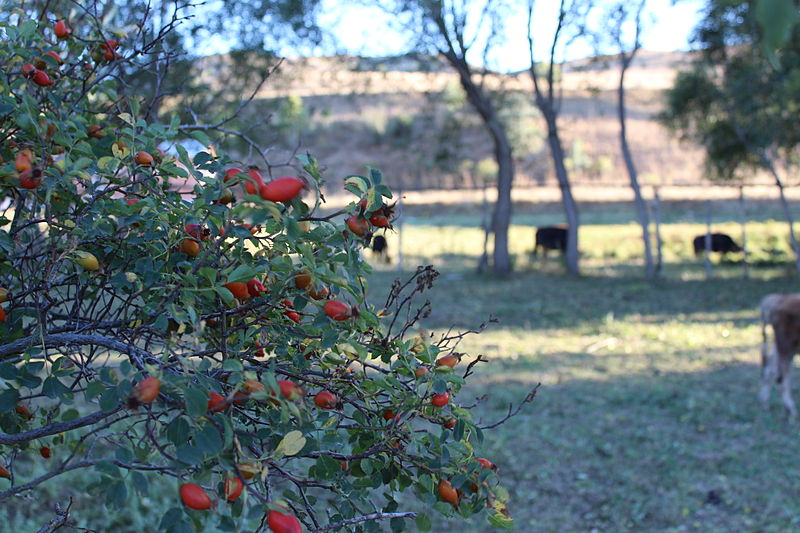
(547, 97)
(740, 98)
(453, 28)
(619, 16)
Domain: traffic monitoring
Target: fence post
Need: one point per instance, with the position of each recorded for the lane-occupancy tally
(708, 239)
(399, 213)
(657, 228)
(743, 221)
(483, 263)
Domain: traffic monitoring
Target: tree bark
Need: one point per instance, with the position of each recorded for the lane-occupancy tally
(766, 162)
(547, 101)
(641, 208)
(786, 211)
(501, 216)
(570, 207)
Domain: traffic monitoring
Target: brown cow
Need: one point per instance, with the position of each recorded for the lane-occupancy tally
(782, 312)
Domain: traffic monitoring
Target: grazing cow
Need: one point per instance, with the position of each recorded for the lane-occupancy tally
(550, 238)
(380, 248)
(782, 312)
(720, 242)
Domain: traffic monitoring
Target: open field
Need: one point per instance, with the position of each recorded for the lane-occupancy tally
(646, 420)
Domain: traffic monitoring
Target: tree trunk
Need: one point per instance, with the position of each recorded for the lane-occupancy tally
(767, 162)
(786, 212)
(570, 207)
(641, 208)
(501, 216)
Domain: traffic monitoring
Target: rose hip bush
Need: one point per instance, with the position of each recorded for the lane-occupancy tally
(200, 323)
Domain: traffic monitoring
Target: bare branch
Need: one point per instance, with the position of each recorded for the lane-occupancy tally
(360, 519)
(61, 519)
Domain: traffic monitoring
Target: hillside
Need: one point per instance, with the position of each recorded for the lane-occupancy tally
(408, 116)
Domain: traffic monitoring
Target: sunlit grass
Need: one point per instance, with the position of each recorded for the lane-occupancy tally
(456, 247)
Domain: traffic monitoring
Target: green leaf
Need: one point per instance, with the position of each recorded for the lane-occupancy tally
(225, 294)
(8, 399)
(232, 365)
(242, 273)
(117, 494)
(201, 137)
(53, 388)
(458, 430)
(93, 390)
(109, 400)
(208, 440)
(183, 156)
(360, 183)
(139, 483)
(227, 437)
(202, 157)
(189, 454)
(178, 431)
(397, 524)
(8, 371)
(423, 522)
(777, 19)
(69, 414)
(170, 518)
(196, 401)
(500, 520)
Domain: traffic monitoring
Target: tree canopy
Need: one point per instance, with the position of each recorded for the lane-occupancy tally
(734, 101)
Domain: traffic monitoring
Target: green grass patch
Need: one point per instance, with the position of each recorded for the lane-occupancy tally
(647, 418)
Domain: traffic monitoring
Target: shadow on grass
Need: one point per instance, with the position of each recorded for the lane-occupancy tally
(669, 453)
(534, 301)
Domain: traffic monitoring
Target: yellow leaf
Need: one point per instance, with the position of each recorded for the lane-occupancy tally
(119, 150)
(291, 444)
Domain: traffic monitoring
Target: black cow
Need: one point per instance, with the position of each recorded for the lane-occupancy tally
(380, 248)
(550, 238)
(720, 242)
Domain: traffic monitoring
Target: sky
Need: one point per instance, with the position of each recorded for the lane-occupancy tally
(364, 30)
(357, 29)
